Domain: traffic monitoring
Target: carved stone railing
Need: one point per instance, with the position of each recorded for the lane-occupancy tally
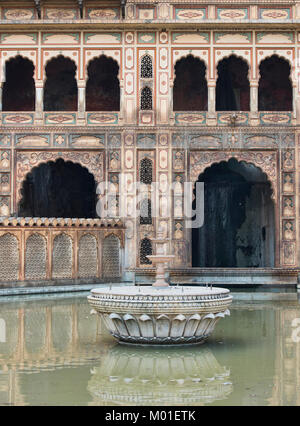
(224, 118)
(178, 118)
(182, 11)
(25, 118)
(60, 249)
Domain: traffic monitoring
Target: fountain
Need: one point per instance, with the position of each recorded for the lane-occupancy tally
(160, 314)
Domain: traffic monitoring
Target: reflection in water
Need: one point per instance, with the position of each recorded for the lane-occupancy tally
(52, 351)
(2, 330)
(165, 376)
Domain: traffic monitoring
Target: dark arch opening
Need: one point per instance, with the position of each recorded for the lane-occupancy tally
(19, 87)
(190, 85)
(103, 86)
(239, 222)
(275, 92)
(60, 90)
(58, 189)
(233, 88)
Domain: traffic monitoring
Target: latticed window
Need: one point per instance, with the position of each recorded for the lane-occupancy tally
(111, 257)
(145, 212)
(145, 250)
(87, 256)
(146, 67)
(146, 171)
(9, 258)
(146, 98)
(36, 257)
(62, 256)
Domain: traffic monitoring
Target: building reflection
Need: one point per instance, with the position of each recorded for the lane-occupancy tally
(44, 336)
(165, 376)
(286, 390)
(66, 346)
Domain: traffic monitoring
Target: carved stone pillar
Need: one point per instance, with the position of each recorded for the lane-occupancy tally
(122, 93)
(211, 96)
(254, 96)
(295, 99)
(81, 100)
(39, 89)
(171, 112)
(211, 103)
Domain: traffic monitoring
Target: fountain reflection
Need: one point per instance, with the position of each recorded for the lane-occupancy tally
(50, 345)
(151, 376)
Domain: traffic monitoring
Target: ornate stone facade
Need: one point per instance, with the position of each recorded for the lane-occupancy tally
(155, 35)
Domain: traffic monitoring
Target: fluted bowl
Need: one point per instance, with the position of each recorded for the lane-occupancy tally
(160, 315)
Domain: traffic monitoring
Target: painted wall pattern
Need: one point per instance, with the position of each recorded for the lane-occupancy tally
(179, 144)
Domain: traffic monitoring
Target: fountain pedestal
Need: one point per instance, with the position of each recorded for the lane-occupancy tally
(160, 260)
(160, 314)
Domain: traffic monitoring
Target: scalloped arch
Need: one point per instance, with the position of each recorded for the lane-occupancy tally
(265, 161)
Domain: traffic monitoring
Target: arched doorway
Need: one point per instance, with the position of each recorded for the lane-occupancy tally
(58, 189)
(239, 218)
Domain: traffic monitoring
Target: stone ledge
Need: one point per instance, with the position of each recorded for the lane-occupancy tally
(60, 222)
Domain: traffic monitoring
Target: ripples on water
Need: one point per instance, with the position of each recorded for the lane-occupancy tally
(53, 352)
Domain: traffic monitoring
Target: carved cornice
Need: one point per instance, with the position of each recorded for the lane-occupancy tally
(147, 129)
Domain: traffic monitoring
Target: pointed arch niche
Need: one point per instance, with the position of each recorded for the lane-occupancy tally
(190, 85)
(275, 90)
(102, 86)
(19, 87)
(60, 88)
(232, 87)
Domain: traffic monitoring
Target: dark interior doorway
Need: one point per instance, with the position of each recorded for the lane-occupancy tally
(19, 87)
(103, 87)
(58, 189)
(232, 87)
(239, 222)
(275, 92)
(60, 90)
(190, 85)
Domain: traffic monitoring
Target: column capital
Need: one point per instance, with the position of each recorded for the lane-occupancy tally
(39, 84)
(211, 83)
(81, 84)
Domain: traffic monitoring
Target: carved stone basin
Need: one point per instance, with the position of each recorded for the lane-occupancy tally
(160, 315)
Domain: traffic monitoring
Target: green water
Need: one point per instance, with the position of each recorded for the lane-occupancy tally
(53, 352)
